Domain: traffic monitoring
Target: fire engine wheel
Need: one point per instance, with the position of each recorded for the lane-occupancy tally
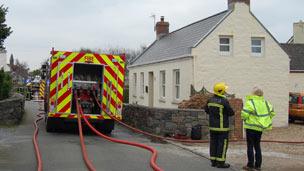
(54, 125)
(291, 120)
(106, 126)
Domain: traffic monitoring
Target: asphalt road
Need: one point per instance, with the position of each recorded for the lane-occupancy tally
(61, 151)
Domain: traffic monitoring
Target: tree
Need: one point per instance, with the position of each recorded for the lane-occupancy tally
(5, 31)
(36, 72)
(11, 60)
(5, 84)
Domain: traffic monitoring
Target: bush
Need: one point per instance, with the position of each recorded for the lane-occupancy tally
(5, 85)
(126, 94)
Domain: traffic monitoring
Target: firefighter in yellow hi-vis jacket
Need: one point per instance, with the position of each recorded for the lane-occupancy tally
(219, 111)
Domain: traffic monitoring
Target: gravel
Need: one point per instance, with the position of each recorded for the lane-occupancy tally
(276, 156)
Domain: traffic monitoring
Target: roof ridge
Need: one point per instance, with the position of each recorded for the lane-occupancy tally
(198, 21)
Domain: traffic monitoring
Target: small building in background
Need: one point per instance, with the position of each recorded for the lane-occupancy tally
(295, 49)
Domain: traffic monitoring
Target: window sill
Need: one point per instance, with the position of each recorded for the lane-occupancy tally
(162, 100)
(256, 55)
(176, 101)
(225, 53)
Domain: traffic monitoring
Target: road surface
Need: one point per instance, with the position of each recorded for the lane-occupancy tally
(61, 151)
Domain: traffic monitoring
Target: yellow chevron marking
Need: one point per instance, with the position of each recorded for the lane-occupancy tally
(54, 70)
(61, 65)
(120, 61)
(64, 115)
(65, 88)
(113, 94)
(93, 117)
(64, 102)
(113, 111)
(114, 82)
(64, 62)
(67, 60)
(111, 65)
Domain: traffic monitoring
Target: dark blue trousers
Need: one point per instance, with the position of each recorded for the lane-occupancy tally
(253, 142)
(218, 146)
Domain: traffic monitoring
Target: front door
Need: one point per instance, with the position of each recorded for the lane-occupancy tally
(151, 89)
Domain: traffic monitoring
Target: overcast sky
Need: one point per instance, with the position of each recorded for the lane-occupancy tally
(39, 25)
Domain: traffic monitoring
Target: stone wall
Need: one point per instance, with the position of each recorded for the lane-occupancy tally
(12, 110)
(167, 122)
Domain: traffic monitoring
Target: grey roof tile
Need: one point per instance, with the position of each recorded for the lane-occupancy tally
(296, 55)
(179, 43)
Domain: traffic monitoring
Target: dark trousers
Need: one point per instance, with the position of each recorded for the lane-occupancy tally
(218, 146)
(253, 141)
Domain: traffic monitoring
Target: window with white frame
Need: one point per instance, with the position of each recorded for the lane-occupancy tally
(134, 83)
(142, 85)
(176, 81)
(162, 84)
(225, 45)
(257, 46)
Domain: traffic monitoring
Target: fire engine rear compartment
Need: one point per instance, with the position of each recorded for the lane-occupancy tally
(87, 83)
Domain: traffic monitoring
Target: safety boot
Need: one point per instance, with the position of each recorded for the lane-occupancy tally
(223, 165)
(257, 168)
(248, 168)
(213, 163)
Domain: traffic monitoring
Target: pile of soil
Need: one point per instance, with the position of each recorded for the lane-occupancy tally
(198, 101)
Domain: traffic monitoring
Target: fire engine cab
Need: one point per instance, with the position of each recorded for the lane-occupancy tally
(94, 79)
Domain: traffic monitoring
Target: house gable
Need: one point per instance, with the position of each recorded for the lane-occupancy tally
(241, 70)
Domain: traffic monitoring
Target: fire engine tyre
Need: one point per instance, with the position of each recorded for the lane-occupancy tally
(106, 126)
(291, 120)
(54, 125)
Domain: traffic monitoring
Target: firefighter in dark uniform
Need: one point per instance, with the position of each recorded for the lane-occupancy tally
(219, 111)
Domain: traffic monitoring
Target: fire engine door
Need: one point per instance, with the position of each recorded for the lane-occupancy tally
(64, 87)
(110, 87)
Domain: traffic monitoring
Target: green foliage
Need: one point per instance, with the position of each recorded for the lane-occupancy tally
(5, 84)
(36, 72)
(5, 31)
(126, 94)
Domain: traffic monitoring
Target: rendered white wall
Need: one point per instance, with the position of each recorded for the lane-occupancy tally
(186, 76)
(241, 71)
(296, 82)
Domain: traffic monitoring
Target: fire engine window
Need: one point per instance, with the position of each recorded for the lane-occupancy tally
(87, 72)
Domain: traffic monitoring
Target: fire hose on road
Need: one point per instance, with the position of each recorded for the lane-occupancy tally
(153, 164)
(83, 148)
(182, 140)
(155, 167)
(40, 116)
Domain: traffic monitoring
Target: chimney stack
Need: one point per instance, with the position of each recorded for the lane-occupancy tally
(231, 3)
(162, 28)
(298, 32)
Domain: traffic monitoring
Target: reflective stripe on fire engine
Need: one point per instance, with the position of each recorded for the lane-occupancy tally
(113, 72)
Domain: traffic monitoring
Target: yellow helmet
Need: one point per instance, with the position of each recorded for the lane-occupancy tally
(220, 88)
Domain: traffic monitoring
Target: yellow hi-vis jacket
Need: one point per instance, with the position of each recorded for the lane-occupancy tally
(257, 114)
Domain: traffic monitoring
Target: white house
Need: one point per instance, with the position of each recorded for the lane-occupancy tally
(232, 46)
(295, 49)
